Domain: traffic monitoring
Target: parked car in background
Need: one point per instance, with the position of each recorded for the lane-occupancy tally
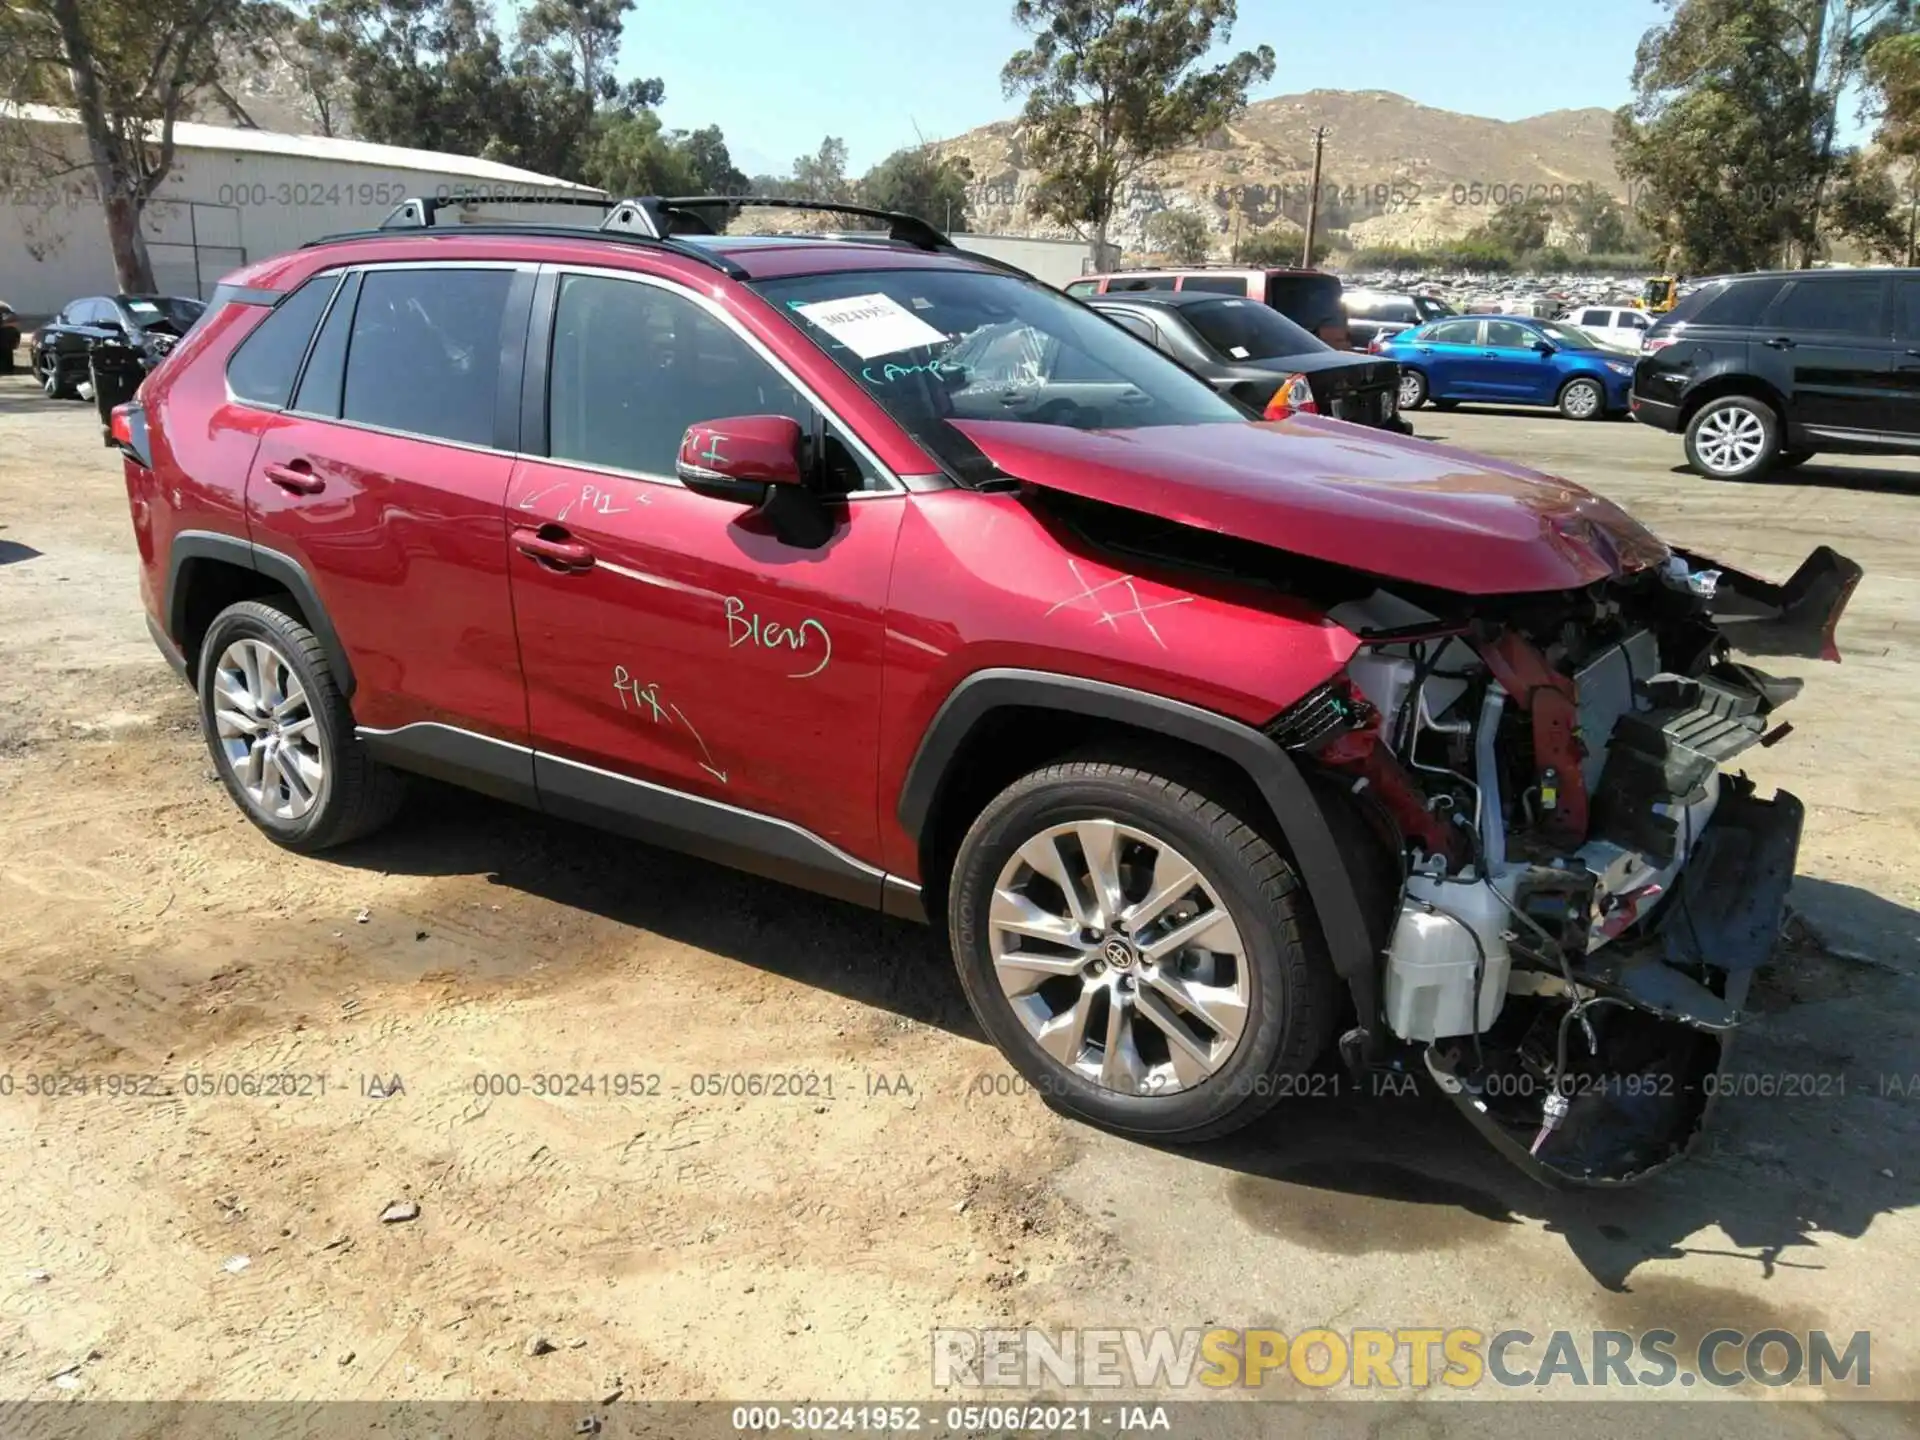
(9, 337)
(142, 328)
(1172, 722)
(1309, 298)
(1620, 326)
(1373, 316)
(1507, 360)
(1763, 372)
(1259, 357)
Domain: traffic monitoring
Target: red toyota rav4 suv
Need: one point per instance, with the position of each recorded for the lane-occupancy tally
(879, 569)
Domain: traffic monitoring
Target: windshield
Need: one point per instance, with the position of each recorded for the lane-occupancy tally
(163, 310)
(934, 346)
(1244, 330)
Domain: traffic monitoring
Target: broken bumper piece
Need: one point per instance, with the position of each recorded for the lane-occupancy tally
(1616, 1082)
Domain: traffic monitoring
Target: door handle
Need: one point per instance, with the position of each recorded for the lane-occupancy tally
(1781, 342)
(296, 477)
(551, 546)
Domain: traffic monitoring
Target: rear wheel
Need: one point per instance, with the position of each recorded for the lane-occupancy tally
(281, 733)
(1413, 390)
(1138, 949)
(1583, 399)
(1734, 438)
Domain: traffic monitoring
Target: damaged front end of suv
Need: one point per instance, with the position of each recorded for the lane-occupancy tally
(1587, 890)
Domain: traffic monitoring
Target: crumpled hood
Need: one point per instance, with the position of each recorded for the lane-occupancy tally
(1390, 506)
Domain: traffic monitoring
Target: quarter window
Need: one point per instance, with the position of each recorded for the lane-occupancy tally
(424, 355)
(263, 369)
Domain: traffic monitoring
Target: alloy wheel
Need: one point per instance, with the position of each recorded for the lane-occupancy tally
(49, 374)
(1731, 440)
(1119, 957)
(267, 729)
(1582, 400)
(1412, 391)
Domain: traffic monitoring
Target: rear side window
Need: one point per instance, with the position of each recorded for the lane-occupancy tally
(1596, 317)
(1382, 307)
(1738, 303)
(1309, 300)
(1459, 332)
(424, 354)
(320, 381)
(1133, 323)
(263, 369)
(1083, 288)
(1140, 282)
(1215, 284)
(1841, 307)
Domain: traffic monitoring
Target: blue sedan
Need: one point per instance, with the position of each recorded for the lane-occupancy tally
(1505, 360)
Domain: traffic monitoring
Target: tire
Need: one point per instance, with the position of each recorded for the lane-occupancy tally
(1736, 437)
(47, 368)
(1413, 390)
(1446, 404)
(1270, 977)
(1583, 398)
(342, 794)
(1793, 459)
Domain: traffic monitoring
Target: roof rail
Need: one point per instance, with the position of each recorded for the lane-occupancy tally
(419, 212)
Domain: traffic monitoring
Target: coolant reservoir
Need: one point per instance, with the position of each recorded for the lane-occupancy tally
(1432, 960)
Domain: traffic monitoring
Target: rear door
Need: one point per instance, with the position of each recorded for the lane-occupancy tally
(695, 653)
(385, 479)
(1830, 338)
(1443, 352)
(1903, 407)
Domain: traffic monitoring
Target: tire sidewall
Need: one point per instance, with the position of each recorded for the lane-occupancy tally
(1769, 421)
(1016, 817)
(251, 620)
(1583, 382)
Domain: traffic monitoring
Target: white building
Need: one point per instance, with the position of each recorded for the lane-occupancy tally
(235, 196)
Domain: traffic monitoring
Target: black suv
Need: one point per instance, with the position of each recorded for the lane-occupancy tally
(1380, 315)
(1765, 371)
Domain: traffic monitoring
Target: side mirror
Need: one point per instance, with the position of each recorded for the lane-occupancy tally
(741, 458)
(1545, 347)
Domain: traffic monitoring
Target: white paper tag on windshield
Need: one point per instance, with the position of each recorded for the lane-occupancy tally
(872, 325)
(1239, 352)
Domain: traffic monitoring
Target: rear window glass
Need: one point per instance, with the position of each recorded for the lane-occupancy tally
(1309, 300)
(1738, 302)
(1381, 307)
(1216, 284)
(424, 357)
(1243, 330)
(263, 369)
(1140, 282)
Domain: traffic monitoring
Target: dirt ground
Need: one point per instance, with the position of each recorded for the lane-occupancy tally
(251, 1056)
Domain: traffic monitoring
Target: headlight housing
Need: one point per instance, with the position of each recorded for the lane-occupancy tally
(1619, 367)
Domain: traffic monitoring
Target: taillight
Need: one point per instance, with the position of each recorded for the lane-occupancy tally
(1294, 397)
(127, 432)
(1652, 346)
(1377, 344)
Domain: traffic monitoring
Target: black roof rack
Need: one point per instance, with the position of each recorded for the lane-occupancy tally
(659, 222)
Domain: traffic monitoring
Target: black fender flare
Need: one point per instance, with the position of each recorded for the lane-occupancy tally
(1323, 869)
(283, 570)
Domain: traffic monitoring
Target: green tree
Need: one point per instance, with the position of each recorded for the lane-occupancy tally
(1270, 247)
(1520, 226)
(710, 166)
(128, 70)
(1181, 235)
(920, 181)
(823, 174)
(1113, 84)
(1730, 142)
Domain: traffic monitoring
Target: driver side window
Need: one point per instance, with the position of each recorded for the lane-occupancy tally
(635, 365)
(1505, 335)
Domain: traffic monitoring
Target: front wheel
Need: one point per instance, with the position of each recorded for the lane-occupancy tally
(48, 369)
(1413, 390)
(1138, 950)
(1734, 438)
(1582, 399)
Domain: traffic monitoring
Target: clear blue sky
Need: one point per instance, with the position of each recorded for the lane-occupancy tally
(777, 75)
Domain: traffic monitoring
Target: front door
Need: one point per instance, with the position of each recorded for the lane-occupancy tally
(1509, 368)
(691, 676)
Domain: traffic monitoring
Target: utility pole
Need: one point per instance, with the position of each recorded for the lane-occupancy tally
(1313, 197)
